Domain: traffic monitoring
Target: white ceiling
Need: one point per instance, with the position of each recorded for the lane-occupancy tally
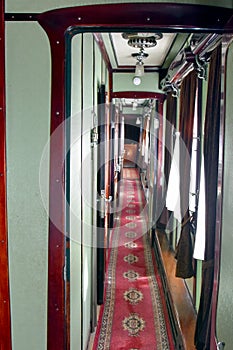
(156, 56)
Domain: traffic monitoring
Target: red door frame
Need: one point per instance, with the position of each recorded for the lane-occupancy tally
(94, 18)
(58, 24)
(5, 316)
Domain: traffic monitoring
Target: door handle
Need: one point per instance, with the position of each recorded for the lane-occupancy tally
(108, 200)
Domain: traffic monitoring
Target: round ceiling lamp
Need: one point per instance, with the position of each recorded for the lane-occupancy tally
(137, 80)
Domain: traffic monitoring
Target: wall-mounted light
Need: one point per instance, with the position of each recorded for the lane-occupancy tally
(138, 121)
(156, 123)
(137, 80)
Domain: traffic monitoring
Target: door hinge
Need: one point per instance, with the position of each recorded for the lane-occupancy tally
(66, 268)
(64, 273)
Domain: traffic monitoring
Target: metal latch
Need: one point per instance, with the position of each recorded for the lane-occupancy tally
(221, 345)
(118, 168)
(104, 203)
(94, 136)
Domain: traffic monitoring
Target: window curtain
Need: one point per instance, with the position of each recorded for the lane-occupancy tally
(211, 144)
(169, 141)
(184, 252)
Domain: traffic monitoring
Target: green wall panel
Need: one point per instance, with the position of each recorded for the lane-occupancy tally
(98, 71)
(124, 82)
(28, 114)
(28, 108)
(44, 5)
(87, 191)
(81, 182)
(75, 199)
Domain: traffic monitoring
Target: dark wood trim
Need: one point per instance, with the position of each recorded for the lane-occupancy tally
(138, 94)
(160, 16)
(101, 181)
(5, 315)
(19, 17)
(110, 86)
(160, 155)
(56, 338)
(64, 22)
(156, 16)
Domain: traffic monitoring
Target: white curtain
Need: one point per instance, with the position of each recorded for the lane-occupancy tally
(146, 152)
(199, 246)
(173, 189)
(122, 136)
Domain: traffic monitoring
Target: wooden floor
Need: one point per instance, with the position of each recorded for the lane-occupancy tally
(180, 294)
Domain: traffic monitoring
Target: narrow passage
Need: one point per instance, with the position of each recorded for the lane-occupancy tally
(134, 314)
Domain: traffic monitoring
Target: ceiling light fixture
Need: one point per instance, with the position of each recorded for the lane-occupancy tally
(145, 40)
(137, 80)
(141, 41)
(139, 70)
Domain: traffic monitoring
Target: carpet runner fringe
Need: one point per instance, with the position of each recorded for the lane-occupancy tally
(134, 315)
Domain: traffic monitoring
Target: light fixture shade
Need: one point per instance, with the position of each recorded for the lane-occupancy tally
(139, 70)
(137, 80)
(135, 104)
(156, 123)
(138, 121)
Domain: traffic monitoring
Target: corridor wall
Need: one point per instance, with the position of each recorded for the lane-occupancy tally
(28, 71)
(124, 82)
(28, 109)
(88, 72)
(75, 199)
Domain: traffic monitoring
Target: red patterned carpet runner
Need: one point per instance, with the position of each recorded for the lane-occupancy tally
(134, 315)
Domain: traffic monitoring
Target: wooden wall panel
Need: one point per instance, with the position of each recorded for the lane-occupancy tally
(57, 335)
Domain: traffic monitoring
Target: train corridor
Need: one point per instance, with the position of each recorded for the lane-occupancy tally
(134, 314)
